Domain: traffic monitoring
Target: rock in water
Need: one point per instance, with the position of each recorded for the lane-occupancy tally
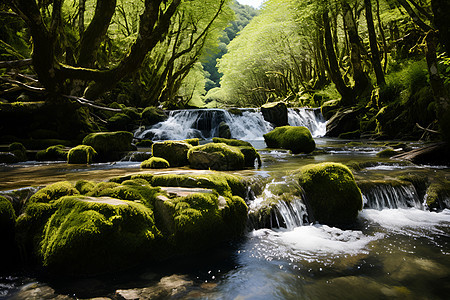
(110, 146)
(275, 113)
(216, 156)
(176, 153)
(331, 193)
(298, 139)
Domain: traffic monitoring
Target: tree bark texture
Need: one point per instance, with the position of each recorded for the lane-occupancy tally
(376, 61)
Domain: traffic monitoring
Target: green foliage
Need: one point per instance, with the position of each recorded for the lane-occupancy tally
(81, 154)
(297, 139)
(155, 163)
(331, 192)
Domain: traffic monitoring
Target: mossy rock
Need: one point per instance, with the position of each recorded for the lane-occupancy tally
(87, 235)
(350, 135)
(19, 151)
(81, 154)
(275, 113)
(298, 139)
(331, 193)
(232, 142)
(419, 181)
(144, 144)
(110, 146)
(193, 142)
(53, 192)
(8, 158)
(216, 156)
(152, 115)
(438, 196)
(251, 156)
(155, 163)
(84, 186)
(7, 221)
(52, 153)
(388, 152)
(119, 121)
(176, 153)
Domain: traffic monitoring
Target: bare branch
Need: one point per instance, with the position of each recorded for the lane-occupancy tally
(11, 64)
(23, 85)
(90, 103)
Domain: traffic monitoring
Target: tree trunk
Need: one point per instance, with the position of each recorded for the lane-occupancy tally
(360, 77)
(333, 66)
(441, 11)
(374, 45)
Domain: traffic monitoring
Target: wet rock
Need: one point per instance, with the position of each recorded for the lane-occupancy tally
(110, 146)
(275, 113)
(343, 121)
(53, 153)
(435, 154)
(81, 154)
(8, 158)
(332, 195)
(224, 130)
(216, 156)
(167, 287)
(39, 291)
(438, 195)
(152, 115)
(388, 152)
(155, 163)
(176, 153)
(298, 139)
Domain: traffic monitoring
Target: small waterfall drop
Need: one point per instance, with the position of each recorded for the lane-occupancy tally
(311, 118)
(244, 124)
(393, 195)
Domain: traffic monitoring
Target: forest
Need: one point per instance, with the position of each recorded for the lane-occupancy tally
(387, 60)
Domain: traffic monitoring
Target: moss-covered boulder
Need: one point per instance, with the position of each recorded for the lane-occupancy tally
(388, 152)
(176, 153)
(224, 130)
(193, 141)
(232, 142)
(81, 154)
(331, 193)
(19, 151)
(298, 139)
(8, 158)
(275, 113)
(110, 146)
(438, 195)
(119, 121)
(216, 156)
(152, 115)
(155, 163)
(53, 192)
(144, 144)
(90, 235)
(7, 224)
(53, 153)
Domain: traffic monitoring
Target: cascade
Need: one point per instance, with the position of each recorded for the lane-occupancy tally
(246, 124)
(293, 213)
(381, 195)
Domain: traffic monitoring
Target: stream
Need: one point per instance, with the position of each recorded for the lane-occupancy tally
(396, 249)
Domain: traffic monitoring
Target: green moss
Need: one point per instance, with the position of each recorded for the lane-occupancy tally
(19, 151)
(144, 144)
(388, 152)
(81, 154)
(232, 142)
(84, 186)
(176, 153)
(251, 156)
(216, 156)
(155, 163)
(119, 121)
(52, 153)
(438, 195)
(298, 139)
(331, 192)
(193, 142)
(7, 219)
(350, 135)
(109, 145)
(88, 235)
(53, 192)
(153, 115)
(420, 182)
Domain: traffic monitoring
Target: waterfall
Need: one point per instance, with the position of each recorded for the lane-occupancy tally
(293, 213)
(395, 194)
(244, 124)
(309, 117)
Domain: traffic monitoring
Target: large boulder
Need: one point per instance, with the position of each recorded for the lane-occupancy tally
(332, 195)
(19, 151)
(152, 115)
(81, 154)
(7, 224)
(251, 156)
(343, 121)
(275, 113)
(216, 156)
(224, 130)
(110, 146)
(53, 153)
(176, 153)
(298, 139)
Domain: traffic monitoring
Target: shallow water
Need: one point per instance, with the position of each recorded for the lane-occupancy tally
(389, 253)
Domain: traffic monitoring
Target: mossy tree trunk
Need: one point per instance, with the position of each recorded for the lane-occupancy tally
(376, 61)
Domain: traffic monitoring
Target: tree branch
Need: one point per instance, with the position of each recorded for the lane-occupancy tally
(11, 64)
(24, 86)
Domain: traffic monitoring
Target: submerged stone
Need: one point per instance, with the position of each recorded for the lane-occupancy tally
(298, 139)
(332, 195)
